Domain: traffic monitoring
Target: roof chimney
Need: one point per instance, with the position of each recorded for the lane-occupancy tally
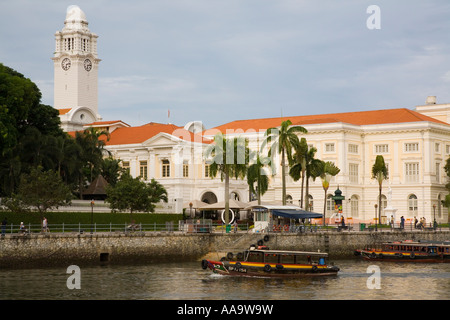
(431, 100)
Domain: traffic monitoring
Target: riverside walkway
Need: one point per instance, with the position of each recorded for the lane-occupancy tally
(202, 226)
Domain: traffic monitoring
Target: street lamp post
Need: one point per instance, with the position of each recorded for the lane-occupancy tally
(434, 217)
(376, 221)
(92, 215)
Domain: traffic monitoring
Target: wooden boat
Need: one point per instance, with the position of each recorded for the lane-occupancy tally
(261, 262)
(408, 251)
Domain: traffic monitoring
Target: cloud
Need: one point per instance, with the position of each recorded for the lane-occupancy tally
(218, 61)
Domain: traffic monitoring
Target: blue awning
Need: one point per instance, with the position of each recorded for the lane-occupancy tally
(296, 214)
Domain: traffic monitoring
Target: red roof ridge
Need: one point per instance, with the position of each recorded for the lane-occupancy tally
(140, 134)
(368, 117)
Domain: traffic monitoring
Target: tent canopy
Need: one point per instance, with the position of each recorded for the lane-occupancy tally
(296, 214)
(196, 204)
(234, 204)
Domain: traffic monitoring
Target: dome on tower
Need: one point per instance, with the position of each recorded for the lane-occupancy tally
(75, 19)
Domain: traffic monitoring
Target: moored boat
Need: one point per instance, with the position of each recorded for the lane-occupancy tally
(408, 251)
(261, 262)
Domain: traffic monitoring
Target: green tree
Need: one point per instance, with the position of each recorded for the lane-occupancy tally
(111, 170)
(23, 119)
(326, 170)
(257, 173)
(446, 202)
(282, 141)
(134, 195)
(229, 157)
(379, 172)
(91, 154)
(304, 166)
(18, 95)
(43, 190)
(157, 192)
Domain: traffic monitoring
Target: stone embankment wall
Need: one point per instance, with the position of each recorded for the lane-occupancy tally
(65, 249)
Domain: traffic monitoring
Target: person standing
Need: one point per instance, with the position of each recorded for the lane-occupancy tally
(402, 223)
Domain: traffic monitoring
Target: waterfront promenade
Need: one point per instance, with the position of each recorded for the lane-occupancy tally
(58, 248)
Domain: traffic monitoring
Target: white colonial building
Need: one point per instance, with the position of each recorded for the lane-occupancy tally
(414, 143)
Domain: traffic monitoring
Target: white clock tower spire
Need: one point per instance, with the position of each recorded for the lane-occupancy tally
(76, 72)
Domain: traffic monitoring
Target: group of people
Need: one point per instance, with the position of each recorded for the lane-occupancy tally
(402, 222)
(22, 228)
(420, 224)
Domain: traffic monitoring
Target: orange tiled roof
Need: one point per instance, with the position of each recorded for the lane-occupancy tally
(356, 118)
(142, 133)
(64, 111)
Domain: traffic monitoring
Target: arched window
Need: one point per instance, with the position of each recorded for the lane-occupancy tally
(234, 196)
(330, 204)
(412, 205)
(289, 199)
(354, 206)
(209, 197)
(383, 202)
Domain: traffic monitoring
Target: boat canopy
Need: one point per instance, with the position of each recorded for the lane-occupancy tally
(296, 214)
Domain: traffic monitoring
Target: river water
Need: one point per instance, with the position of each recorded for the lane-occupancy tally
(357, 280)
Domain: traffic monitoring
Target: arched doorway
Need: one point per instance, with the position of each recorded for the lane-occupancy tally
(209, 197)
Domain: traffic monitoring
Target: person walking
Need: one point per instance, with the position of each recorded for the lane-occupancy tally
(402, 222)
(45, 225)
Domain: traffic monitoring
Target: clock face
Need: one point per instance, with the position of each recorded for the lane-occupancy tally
(87, 65)
(65, 64)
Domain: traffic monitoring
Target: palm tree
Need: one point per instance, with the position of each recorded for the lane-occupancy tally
(326, 171)
(304, 166)
(283, 140)
(157, 192)
(229, 157)
(92, 151)
(379, 172)
(312, 167)
(256, 173)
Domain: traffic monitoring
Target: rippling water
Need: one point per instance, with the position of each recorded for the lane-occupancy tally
(188, 281)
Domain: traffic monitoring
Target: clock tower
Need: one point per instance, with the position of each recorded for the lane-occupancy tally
(76, 72)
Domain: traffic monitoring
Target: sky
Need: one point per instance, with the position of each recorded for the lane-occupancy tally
(217, 61)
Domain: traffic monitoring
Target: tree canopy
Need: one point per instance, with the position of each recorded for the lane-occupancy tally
(229, 157)
(43, 190)
(283, 140)
(135, 195)
(30, 136)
